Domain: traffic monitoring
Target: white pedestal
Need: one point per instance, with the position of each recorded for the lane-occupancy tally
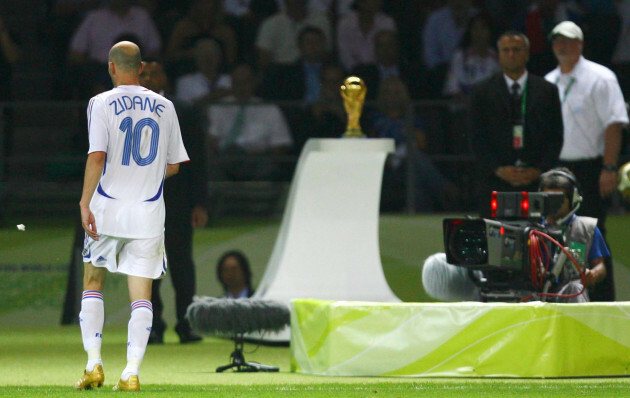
(327, 246)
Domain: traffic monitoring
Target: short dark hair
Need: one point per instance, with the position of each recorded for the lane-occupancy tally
(486, 19)
(310, 29)
(243, 262)
(514, 33)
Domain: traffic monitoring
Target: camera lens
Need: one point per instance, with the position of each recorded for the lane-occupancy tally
(468, 244)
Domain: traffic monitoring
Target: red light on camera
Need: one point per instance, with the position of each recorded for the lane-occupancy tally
(524, 204)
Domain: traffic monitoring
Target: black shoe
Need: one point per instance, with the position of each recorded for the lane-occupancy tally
(156, 338)
(189, 338)
(186, 335)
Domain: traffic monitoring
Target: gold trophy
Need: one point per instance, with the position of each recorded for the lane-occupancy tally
(353, 92)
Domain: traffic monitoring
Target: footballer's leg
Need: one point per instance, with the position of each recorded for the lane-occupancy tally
(138, 332)
(91, 319)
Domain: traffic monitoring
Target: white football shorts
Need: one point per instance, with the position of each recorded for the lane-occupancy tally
(137, 257)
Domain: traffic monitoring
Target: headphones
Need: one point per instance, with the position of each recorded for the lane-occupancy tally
(575, 197)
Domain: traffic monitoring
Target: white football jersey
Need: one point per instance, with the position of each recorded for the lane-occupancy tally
(139, 131)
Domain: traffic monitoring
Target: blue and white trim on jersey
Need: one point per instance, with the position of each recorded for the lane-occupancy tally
(100, 190)
(158, 194)
(89, 112)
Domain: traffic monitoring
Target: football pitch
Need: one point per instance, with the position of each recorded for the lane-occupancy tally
(40, 358)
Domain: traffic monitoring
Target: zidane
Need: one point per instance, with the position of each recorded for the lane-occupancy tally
(126, 103)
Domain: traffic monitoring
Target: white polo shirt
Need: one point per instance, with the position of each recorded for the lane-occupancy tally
(278, 34)
(263, 125)
(591, 101)
(139, 131)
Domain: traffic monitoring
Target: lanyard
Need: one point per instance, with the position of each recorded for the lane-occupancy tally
(568, 89)
(524, 101)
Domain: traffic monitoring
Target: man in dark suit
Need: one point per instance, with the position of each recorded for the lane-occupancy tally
(185, 197)
(516, 124)
(301, 79)
(387, 63)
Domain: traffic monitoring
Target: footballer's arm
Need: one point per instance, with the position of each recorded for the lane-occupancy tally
(93, 170)
(172, 169)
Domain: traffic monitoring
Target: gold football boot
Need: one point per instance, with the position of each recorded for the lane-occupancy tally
(92, 379)
(133, 384)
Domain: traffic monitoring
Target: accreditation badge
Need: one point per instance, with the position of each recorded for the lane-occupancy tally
(578, 251)
(517, 136)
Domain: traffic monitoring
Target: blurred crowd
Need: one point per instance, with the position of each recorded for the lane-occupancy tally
(437, 47)
(296, 53)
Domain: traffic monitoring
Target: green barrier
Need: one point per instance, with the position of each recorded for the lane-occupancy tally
(341, 338)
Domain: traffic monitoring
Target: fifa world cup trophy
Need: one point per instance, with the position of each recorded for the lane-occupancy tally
(353, 92)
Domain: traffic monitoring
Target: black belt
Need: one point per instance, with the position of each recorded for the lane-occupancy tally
(584, 162)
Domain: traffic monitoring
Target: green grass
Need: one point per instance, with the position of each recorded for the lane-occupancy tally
(618, 237)
(46, 361)
(405, 241)
(34, 295)
(38, 358)
(482, 389)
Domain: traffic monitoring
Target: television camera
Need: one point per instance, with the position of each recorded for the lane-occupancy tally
(507, 255)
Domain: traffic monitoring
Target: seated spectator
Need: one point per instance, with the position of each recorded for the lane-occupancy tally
(326, 6)
(503, 12)
(63, 19)
(277, 40)
(390, 120)
(474, 60)
(203, 20)
(165, 14)
(235, 275)
(244, 127)
(387, 63)
(356, 31)
(299, 80)
(99, 30)
(208, 82)
(245, 16)
(441, 35)
(326, 116)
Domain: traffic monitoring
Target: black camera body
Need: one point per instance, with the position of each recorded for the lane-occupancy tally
(499, 247)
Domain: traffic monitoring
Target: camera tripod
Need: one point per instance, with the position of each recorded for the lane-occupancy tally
(239, 362)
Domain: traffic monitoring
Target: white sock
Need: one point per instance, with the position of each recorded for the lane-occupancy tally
(91, 363)
(91, 319)
(132, 368)
(137, 335)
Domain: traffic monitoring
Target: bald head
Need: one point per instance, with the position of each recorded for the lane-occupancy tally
(126, 56)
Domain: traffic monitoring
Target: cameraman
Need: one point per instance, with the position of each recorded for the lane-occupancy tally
(581, 234)
(447, 282)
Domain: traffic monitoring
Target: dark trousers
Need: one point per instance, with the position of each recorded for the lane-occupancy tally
(593, 205)
(181, 268)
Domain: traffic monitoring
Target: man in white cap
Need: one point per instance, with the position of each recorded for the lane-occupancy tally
(593, 113)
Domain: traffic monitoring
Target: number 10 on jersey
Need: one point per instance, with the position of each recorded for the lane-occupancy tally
(133, 137)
